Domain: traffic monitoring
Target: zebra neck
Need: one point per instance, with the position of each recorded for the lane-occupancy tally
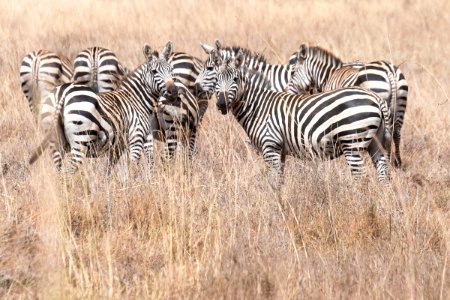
(322, 73)
(250, 103)
(136, 86)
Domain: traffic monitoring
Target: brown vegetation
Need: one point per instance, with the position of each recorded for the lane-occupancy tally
(223, 232)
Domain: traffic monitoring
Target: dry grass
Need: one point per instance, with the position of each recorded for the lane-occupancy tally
(223, 233)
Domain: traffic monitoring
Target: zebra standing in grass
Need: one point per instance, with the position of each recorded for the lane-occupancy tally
(347, 121)
(92, 124)
(40, 72)
(278, 75)
(182, 107)
(320, 69)
(98, 68)
(186, 69)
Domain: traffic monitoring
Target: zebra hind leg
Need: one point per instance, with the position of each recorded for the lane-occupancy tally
(355, 162)
(381, 162)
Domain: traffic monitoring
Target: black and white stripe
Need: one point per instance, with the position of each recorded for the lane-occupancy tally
(182, 107)
(277, 74)
(318, 68)
(186, 69)
(346, 121)
(99, 69)
(40, 72)
(91, 124)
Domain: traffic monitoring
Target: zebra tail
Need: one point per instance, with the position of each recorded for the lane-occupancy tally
(38, 152)
(57, 120)
(393, 83)
(393, 106)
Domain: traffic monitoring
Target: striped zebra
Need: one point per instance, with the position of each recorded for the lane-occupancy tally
(186, 69)
(40, 72)
(182, 108)
(278, 75)
(320, 69)
(99, 69)
(346, 121)
(92, 124)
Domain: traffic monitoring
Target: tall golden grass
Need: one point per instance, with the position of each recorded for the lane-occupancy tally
(223, 232)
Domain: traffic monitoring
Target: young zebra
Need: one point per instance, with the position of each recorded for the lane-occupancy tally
(99, 69)
(320, 69)
(92, 124)
(346, 121)
(278, 75)
(40, 72)
(182, 107)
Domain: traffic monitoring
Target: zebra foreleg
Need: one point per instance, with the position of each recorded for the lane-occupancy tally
(171, 143)
(148, 151)
(274, 157)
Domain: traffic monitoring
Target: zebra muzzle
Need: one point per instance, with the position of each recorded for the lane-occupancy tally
(222, 103)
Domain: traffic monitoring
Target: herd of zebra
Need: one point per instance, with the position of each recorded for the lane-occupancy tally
(314, 107)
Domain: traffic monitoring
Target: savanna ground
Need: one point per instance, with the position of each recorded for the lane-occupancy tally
(223, 232)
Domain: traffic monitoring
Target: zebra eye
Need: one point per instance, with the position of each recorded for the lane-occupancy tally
(235, 79)
(154, 71)
(209, 68)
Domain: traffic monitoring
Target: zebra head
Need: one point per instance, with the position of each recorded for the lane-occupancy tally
(229, 85)
(207, 77)
(160, 72)
(301, 79)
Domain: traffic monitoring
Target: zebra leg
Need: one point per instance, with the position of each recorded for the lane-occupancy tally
(381, 161)
(113, 158)
(274, 156)
(56, 155)
(148, 150)
(136, 145)
(400, 108)
(355, 161)
(78, 153)
(171, 142)
(192, 142)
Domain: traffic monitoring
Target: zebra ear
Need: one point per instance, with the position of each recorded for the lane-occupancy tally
(238, 60)
(302, 51)
(208, 49)
(148, 53)
(167, 51)
(217, 44)
(216, 58)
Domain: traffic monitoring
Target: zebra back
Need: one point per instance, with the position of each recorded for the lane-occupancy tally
(98, 68)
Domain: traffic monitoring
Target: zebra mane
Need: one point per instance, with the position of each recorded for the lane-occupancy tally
(257, 78)
(249, 56)
(325, 55)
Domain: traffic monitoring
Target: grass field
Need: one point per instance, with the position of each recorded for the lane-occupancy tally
(223, 233)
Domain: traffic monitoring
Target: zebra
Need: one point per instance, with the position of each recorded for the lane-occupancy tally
(92, 124)
(345, 121)
(40, 72)
(278, 75)
(98, 68)
(182, 107)
(186, 69)
(320, 69)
